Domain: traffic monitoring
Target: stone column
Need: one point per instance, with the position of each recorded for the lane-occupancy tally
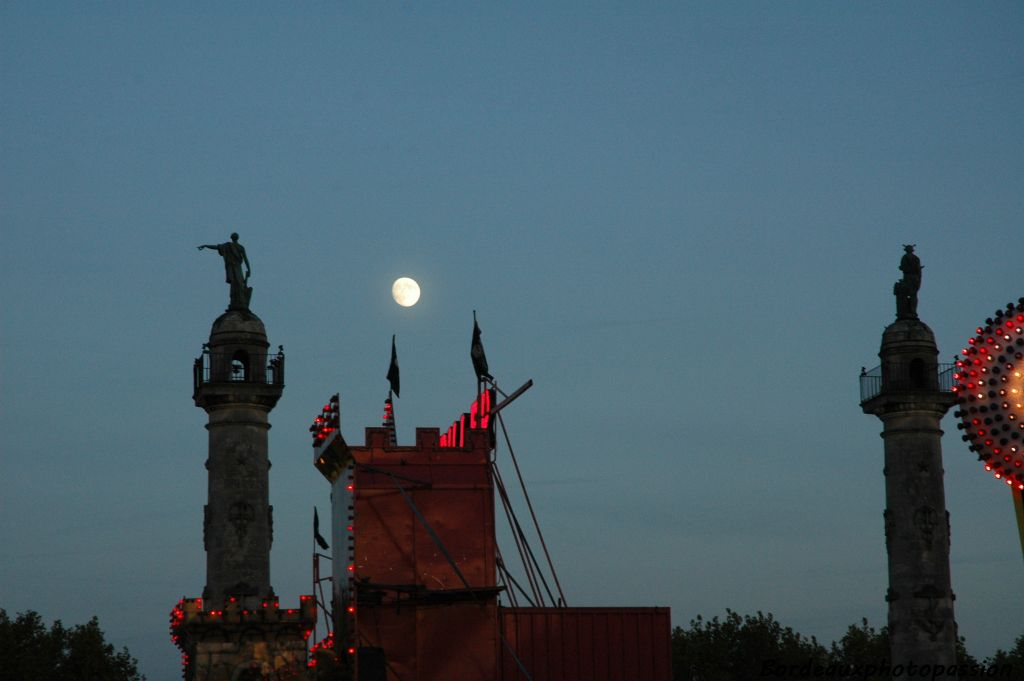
(911, 402)
(238, 630)
(238, 391)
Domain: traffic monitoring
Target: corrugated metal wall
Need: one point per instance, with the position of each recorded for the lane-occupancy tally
(586, 644)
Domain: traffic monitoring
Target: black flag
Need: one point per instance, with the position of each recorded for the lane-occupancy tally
(476, 353)
(316, 531)
(393, 369)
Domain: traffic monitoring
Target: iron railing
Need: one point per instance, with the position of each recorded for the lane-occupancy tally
(213, 367)
(906, 377)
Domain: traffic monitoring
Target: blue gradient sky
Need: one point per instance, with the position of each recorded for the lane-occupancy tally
(683, 221)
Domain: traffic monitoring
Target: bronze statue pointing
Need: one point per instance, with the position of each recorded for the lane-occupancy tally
(234, 256)
(906, 288)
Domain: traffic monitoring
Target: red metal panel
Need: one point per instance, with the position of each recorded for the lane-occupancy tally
(520, 640)
(407, 588)
(587, 648)
(587, 644)
(627, 634)
(457, 641)
(410, 594)
(381, 628)
(384, 546)
(555, 641)
(645, 648)
(571, 645)
(459, 518)
(603, 648)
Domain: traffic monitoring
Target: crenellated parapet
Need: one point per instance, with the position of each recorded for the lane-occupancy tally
(220, 644)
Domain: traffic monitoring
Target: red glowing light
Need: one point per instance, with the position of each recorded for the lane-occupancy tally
(327, 422)
(989, 421)
(478, 417)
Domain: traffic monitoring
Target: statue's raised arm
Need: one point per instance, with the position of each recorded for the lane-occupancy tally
(234, 257)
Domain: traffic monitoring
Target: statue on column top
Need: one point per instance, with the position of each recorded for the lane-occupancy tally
(234, 257)
(906, 288)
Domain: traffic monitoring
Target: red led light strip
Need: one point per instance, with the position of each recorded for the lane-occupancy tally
(479, 416)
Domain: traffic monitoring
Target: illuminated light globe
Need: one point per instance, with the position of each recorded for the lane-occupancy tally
(989, 384)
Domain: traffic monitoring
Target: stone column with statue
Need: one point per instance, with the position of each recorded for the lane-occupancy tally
(237, 629)
(911, 400)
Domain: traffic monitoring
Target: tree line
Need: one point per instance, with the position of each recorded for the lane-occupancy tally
(29, 651)
(741, 648)
(731, 648)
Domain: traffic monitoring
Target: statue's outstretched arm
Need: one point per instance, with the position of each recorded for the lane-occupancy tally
(212, 247)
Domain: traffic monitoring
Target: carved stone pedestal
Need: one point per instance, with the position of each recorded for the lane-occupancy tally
(238, 644)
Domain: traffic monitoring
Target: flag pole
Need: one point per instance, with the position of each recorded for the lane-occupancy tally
(394, 422)
(1018, 512)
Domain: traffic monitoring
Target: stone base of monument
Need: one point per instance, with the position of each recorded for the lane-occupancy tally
(236, 644)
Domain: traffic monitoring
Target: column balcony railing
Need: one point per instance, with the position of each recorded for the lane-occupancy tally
(239, 367)
(906, 377)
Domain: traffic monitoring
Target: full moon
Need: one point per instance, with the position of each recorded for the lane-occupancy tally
(405, 291)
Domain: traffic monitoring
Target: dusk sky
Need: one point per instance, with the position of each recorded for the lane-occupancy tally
(682, 221)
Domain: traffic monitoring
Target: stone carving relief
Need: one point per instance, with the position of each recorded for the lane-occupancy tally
(915, 486)
(245, 477)
(925, 520)
(240, 589)
(242, 454)
(240, 515)
(928, 618)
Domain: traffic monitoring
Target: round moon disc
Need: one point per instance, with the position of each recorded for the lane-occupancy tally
(405, 291)
(990, 392)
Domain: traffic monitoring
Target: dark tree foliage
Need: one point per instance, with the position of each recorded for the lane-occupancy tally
(742, 648)
(861, 645)
(1013, 659)
(736, 648)
(31, 652)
